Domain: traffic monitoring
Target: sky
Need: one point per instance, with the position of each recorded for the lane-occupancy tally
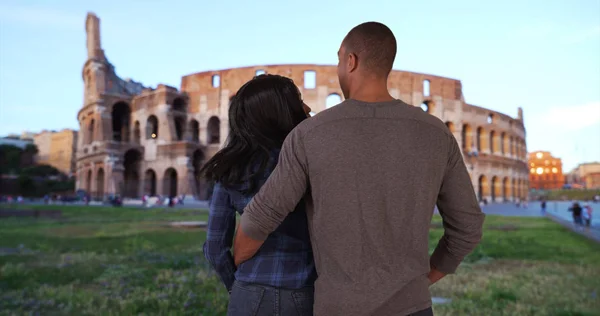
(541, 55)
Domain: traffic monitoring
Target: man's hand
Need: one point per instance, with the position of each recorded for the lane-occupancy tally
(434, 275)
(244, 247)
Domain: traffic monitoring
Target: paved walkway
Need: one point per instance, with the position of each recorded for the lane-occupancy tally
(557, 211)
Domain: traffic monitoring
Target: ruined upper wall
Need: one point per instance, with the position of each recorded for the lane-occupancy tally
(315, 81)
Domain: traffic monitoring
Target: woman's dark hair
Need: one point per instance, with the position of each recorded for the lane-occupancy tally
(261, 115)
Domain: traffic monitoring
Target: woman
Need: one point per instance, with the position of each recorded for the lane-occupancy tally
(281, 275)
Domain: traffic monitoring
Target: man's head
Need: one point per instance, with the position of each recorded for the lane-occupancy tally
(368, 50)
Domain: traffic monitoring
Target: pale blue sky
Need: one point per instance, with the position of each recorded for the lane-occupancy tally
(541, 55)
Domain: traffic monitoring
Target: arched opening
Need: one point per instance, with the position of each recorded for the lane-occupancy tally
(88, 182)
(195, 131)
(426, 87)
(450, 126)
(197, 162)
(100, 183)
(132, 165)
(137, 133)
(511, 146)
(513, 189)
(492, 142)
(179, 105)
(480, 139)
(152, 127)
(179, 127)
(490, 118)
(213, 129)
(332, 100)
(503, 143)
(483, 189)
(505, 188)
(90, 133)
(170, 183)
(150, 182)
(428, 106)
(467, 138)
(495, 188)
(121, 114)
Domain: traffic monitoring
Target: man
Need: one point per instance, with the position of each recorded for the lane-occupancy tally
(371, 171)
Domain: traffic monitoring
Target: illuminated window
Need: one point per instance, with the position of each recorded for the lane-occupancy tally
(539, 170)
(546, 162)
(554, 170)
(539, 155)
(532, 164)
(547, 170)
(532, 170)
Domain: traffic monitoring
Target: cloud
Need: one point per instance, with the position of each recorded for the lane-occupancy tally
(40, 16)
(572, 118)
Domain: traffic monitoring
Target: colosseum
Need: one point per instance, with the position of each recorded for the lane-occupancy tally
(137, 140)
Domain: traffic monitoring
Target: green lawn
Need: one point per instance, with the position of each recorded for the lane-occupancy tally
(125, 261)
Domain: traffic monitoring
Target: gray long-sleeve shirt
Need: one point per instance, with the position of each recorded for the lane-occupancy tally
(371, 174)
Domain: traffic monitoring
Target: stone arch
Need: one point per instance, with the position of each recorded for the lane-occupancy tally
(137, 133)
(428, 106)
(483, 187)
(151, 127)
(178, 104)
(170, 182)
(198, 160)
(132, 163)
(121, 116)
(503, 144)
(492, 142)
(332, 100)
(511, 145)
(505, 189)
(100, 183)
(450, 126)
(88, 182)
(513, 189)
(195, 131)
(150, 182)
(467, 137)
(213, 129)
(90, 132)
(496, 188)
(179, 127)
(481, 139)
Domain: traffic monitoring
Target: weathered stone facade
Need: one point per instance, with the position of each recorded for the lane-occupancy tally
(136, 140)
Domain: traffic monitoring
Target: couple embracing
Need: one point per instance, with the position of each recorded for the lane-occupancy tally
(335, 209)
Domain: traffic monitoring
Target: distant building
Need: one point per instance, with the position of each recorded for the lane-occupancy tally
(545, 171)
(586, 175)
(57, 149)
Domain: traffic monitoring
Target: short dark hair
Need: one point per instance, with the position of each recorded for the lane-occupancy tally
(261, 115)
(375, 46)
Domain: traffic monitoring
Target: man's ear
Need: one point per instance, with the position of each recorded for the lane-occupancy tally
(352, 62)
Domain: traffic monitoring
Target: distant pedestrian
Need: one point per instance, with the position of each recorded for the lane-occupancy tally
(543, 206)
(576, 210)
(587, 214)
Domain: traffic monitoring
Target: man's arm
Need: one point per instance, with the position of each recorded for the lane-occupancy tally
(280, 194)
(461, 215)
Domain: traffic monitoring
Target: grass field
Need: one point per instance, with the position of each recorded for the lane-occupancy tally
(124, 261)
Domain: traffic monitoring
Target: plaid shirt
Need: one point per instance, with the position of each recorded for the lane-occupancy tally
(284, 260)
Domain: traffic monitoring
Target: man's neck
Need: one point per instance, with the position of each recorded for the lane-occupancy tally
(371, 91)
(370, 96)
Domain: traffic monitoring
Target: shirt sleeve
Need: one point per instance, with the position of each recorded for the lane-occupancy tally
(282, 191)
(462, 217)
(219, 236)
